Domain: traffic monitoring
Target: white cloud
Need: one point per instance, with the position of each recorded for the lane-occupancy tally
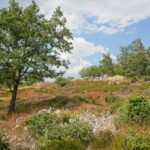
(105, 15)
(108, 16)
(82, 49)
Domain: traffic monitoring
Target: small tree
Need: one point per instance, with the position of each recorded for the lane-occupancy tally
(107, 65)
(31, 44)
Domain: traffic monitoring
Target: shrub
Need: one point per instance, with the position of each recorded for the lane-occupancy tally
(77, 129)
(138, 108)
(65, 117)
(4, 145)
(39, 123)
(63, 144)
(2, 117)
(146, 78)
(51, 127)
(64, 101)
(62, 81)
(134, 79)
(104, 139)
(136, 141)
(110, 98)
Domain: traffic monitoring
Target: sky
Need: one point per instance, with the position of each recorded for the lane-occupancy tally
(98, 26)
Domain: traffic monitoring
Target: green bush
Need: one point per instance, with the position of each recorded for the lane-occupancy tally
(103, 139)
(65, 117)
(62, 81)
(136, 141)
(64, 101)
(138, 108)
(39, 123)
(147, 78)
(77, 129)
(4, 145)
(63, 144)
(110, 98)
(53, 127)
(135, 79)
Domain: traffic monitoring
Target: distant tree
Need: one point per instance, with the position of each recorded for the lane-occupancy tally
(107, 65)
(92, 71)
(31, 44)
(134, 59)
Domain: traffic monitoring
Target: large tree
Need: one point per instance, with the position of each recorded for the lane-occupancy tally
(30, 44)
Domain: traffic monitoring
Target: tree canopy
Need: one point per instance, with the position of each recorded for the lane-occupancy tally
(31, 45)
(133, 60)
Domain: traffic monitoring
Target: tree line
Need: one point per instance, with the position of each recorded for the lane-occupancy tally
(133, 60)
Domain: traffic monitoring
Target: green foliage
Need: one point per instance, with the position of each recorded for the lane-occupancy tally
(147, 78)
(63, 144)
(92, 71)
(144, 86)
(62, 81)
(47, 125)
(111, 98)
(39, 123)
(134, 59)
(138, 108)
(56, 102)
(77, 129)
(134, 79)
(65, 117)
(30, 45)
(103, 139)
(65, 102)
(136, 141)
(107, 65)
(4, 145)
(31, 79)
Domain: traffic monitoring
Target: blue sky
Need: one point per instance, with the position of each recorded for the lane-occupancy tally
(98, 26)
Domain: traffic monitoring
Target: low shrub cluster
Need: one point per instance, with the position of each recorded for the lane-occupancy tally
(147, 78)
(40, 122)
(54, 130)
(60, 81)
(135, 79)
(136, 141)
(62, 144)
(103, 139)
(4, 145)
(138, 108)
(111, 98)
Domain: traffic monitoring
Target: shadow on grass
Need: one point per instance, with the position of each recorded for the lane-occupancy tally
(56, 102)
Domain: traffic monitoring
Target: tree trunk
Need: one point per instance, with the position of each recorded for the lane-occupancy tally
(13, 98)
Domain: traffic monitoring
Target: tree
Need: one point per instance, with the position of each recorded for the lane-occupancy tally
(92, 71)
(107, 65)
(31, 44)
(134, 59)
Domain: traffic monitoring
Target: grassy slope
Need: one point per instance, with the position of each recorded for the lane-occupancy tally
(33, 98)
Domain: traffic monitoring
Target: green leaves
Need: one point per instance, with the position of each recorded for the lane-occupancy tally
(134, 59)
(30, 43)
(138, 108)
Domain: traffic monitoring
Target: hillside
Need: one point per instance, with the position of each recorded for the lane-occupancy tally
(95, 101)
